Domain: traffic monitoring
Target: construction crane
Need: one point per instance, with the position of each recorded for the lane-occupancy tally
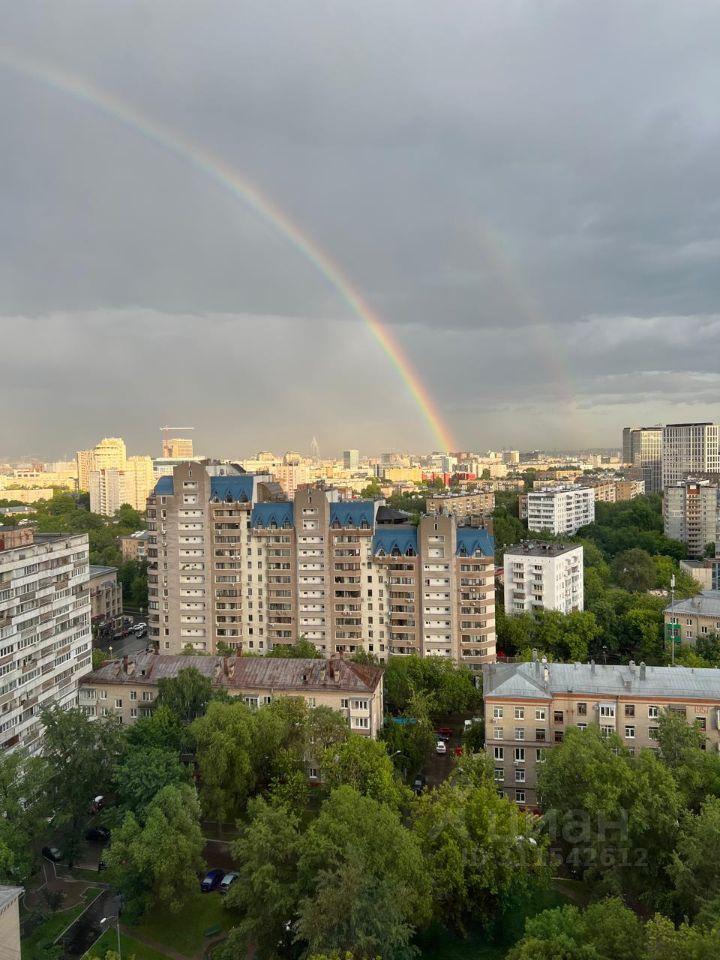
(166, 437)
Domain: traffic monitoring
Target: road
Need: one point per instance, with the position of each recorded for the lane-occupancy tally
(122, 646)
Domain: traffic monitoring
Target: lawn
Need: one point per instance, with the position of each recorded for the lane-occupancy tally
(130, 947)
(48, 931)
(184, 931)
(437, 943)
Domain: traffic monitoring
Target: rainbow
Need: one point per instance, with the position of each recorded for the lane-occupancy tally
(226, 177)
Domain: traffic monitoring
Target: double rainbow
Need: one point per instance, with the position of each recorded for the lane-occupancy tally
(228, 178)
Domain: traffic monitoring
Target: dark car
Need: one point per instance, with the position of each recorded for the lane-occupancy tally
(444, 733)
(419, 783)
(97, 834)
(211, 880)
(52, 853)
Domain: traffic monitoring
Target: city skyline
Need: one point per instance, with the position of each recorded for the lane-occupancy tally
(211, 223)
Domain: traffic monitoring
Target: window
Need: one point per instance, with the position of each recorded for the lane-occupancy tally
(653, 733)
(630, 733)
(607, 730)
(582, 709)
(629, 709)
(499, 753)
(519, 733)
(133, 713)
(497, 713)
(701, 722)
(520, 796)
(497, 733)
(541, 755)
(314, 773)
(539, 733)
(499, 774)
(558, 716)
(540, 714)
(653, 712)
(519, 754)
(344, 704)
(118, 704)
(607, 710)
(519, 776)
(582, 726)
(558, 736)
(519, 713)
(133, 694)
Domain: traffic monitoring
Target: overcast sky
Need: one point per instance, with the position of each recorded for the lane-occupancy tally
(528, 193)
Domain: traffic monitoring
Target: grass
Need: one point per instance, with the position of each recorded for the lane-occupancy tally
(130, 947)
(438, 943)
(183, 931)
(90, 876)
(49, 930)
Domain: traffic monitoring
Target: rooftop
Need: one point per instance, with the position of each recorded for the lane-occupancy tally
(540, 548)
(8, 895)
(528, 680)
(251, 673)
(706, 604)
(97, 570)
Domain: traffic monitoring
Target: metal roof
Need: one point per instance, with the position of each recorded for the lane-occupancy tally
(527, 680)
(97, 570)
(541, 548)
(471, 540)
(264, 673)
(396, 539)
(706, 604)
(8, 895)
(272, 514)
(352, 513)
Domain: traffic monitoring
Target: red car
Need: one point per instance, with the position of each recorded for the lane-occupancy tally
(444, 733)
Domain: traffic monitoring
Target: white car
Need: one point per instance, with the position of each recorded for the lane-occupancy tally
(227, 881)
(441, 747)
(139, 629)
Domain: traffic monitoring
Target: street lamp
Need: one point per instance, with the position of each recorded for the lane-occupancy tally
(117, 927)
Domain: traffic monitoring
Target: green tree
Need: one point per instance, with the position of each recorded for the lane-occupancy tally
(187, 695)
(156, 863)
(302, 649)
(266, 894)
(224, 739)
(635, 570)
(81, 755)
(360, 847)
(696, 862)
(364, 765)
(142, 775)
(23, 809)
(161, 728)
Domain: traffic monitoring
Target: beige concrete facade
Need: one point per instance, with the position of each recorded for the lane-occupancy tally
(10, 922)
(629, 489)
(463, 506)
(691, 514)
(110, 488)
(695, 617)
(127, 688)
(105, 593)
(134, 547)
(530, 706)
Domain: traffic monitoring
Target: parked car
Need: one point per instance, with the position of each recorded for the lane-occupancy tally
(97, 834)
(211, 880)
(52, 853)
(444, 733)
(227, 881)
(140, 629)
(441, 747)
(97, 804)
(419, 783)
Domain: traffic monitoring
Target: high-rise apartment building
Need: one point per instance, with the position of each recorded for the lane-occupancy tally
(109, 454)
(642, 448)
(689, 450)
(177, 448)
(231, 563)
(530, 706)
(542, 575)
(691, 514)
(111, 487)
(351, 460)
(45, 635)
(561, 510)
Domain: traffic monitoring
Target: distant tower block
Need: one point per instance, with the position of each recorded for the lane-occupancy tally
(315, 449)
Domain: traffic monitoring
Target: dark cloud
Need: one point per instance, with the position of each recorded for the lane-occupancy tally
(527, 192)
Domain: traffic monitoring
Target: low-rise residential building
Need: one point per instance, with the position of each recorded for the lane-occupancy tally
(134, 547)
(541, 575)
(105, 594)
(605, 490)
(695, 617)
(706, 572)
(628, 489)
(45, 636)
(10, 922)
(560, 510)
(463, 506)
(127, 688)
(691, 514)
(529, 707)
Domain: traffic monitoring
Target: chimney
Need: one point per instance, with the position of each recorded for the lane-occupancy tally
(534, 654)
(546, 673)
(323, 674)
(225, 666)
(125, 663)
(631, 665)
(592, 666)
(642, 671)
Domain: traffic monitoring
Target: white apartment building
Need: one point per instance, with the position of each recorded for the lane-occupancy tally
(689, 450)
(111, 487)
(691, 514)
(543, 576)
(45, 636)
(561, 510)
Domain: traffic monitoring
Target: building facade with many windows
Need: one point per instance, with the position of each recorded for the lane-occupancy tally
(691, 514)
(230, 563)
(642, 449)
(530, 706)
(561, 510)
(45, 636)
(689, 450)
(543, 575)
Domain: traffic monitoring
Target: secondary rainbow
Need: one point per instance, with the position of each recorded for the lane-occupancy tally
(228, 178)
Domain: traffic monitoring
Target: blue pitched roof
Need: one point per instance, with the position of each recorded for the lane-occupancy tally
(234, 487)
(471, 539)
(391, 538)
(352, 513)
(272, 514)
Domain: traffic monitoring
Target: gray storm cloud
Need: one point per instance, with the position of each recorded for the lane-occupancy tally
(529, 193)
